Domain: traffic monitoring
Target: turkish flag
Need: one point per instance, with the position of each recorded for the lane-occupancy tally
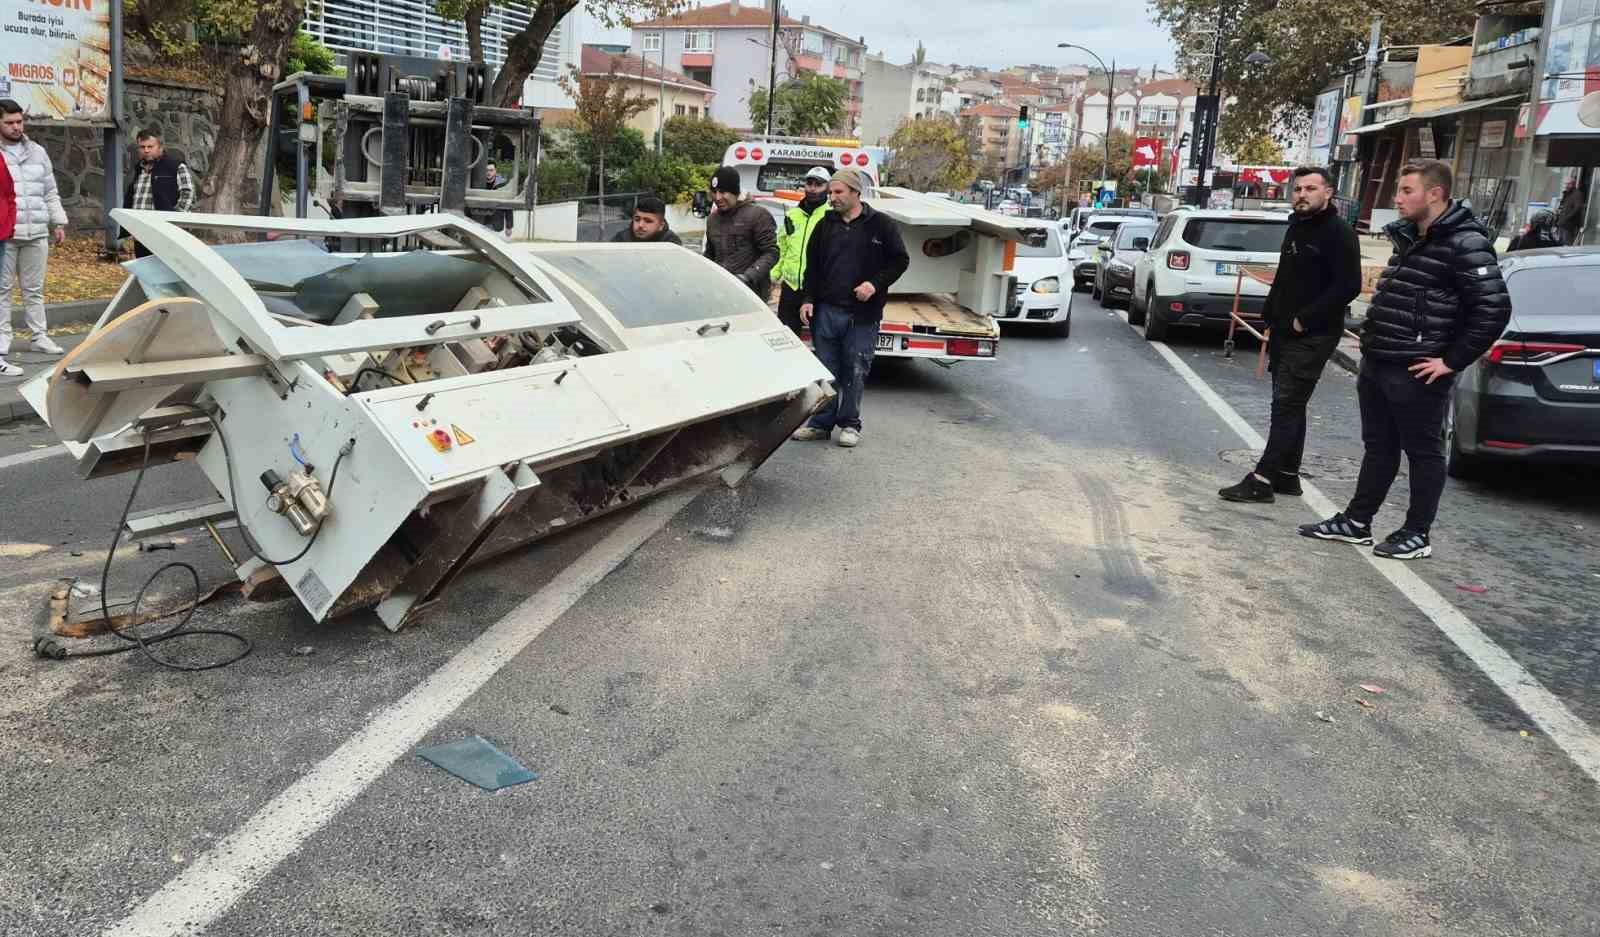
(1146, 152)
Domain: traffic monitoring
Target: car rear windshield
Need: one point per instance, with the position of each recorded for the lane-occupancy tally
(1560, 290)
(1104, 228)
(1128, 232)
(1232, 234)
(1040, 242)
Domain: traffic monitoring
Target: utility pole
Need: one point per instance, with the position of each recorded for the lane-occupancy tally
(772, 69)
(1206, 109)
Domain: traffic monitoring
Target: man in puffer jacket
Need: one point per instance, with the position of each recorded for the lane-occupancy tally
(1439, 306)
(38, 212)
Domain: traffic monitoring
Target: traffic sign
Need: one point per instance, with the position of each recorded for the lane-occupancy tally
(1147, 152)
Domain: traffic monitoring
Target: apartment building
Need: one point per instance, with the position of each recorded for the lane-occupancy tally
(894, 93)
(999, 139)
(727, 47)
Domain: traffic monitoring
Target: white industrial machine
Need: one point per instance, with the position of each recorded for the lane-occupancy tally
(374, 423)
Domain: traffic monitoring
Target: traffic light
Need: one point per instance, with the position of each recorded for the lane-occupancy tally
(1022, 119)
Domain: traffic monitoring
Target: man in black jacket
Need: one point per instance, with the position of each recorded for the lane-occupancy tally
(1319, 273)
(161, 182)
(1440, 304)
(854, 256)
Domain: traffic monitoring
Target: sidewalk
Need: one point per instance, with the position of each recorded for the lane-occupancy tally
(12, 406)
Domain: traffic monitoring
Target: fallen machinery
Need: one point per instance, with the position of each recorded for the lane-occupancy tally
(374, 423)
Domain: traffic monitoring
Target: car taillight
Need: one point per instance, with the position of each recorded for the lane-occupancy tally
(740, 153)
(756, 154)
(1178, 260)
(1513, 352)
(970, 347)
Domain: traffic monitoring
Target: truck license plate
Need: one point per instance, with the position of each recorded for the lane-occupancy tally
(886, 343)
(1227, 269)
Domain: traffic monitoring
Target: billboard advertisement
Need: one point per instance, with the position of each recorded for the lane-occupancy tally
(55, 57)
(1323, 118)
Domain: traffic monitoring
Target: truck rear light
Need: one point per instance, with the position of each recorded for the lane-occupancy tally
(1178, 260)
(861, 159)
(1513, 352)
(756, 154)
(969, 348)
(844, 159)
(740, 153)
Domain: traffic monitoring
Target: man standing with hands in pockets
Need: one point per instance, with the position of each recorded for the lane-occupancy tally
(855, 255)
(1319, 273)
(1440, 305)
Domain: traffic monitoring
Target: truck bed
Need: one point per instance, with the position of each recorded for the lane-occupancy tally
(937, 314)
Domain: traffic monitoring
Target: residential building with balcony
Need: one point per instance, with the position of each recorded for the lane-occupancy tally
(999, 140)
(727, 47)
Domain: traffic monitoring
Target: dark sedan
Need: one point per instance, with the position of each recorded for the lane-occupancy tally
(1536, 395)
(1114, 266)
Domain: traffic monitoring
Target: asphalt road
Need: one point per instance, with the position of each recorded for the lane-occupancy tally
(1008, 668)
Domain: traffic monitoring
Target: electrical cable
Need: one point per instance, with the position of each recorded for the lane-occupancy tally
(179, 629)
(357, 379)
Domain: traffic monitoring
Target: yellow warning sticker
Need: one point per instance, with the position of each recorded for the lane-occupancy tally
(463, 438)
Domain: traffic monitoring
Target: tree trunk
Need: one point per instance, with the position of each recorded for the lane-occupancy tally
(526, 49)
(247, 84)
(601, 154)
(474, 24)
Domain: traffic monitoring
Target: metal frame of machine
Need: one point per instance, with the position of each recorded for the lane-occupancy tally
(418, 427)
(405, 133)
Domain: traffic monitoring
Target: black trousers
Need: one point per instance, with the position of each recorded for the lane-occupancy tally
(789, 309)
(1297, 362)
(1400, 413)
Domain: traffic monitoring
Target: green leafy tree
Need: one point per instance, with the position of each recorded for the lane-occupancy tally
(921, 55)
(1088, 156)
(931, 156)
(670, 177)
(306, 54)
(525, 49)
(603, 106)
(1259, 150)
(810, 104)
(1310, 43)
(562, 178)
(697, 139)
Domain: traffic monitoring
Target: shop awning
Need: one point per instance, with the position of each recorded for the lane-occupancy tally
(1374, 128)
(1470, 106)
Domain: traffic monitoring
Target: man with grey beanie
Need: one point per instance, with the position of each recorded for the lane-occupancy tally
(741, 236)
(855, 255)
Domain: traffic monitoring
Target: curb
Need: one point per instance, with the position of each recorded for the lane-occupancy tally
(85, 311)
(18, 412)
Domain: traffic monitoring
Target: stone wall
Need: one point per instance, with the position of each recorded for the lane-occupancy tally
(186, 117)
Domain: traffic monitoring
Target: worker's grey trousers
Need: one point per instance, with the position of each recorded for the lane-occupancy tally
(25, 262)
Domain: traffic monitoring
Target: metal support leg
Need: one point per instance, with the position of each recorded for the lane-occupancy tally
(458, 541)
(457, 154)
(800, 409)
(396, 153)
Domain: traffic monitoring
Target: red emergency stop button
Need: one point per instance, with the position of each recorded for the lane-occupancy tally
(441, 441)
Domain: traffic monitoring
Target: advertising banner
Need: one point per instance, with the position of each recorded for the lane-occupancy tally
(55, 57)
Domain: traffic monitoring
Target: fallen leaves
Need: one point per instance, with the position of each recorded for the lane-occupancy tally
(78, 270)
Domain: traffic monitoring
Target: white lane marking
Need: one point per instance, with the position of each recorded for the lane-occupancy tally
(37, 455)
(202, 893)
(1552, 716)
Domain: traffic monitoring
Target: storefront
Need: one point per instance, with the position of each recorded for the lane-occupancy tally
(1564, 148)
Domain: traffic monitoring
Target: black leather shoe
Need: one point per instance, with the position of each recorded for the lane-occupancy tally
(1286, 484)
(1250, 491)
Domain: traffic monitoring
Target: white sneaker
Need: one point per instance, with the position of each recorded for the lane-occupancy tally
(808, 434)
(45, 345)
(7, 369)
(849, 438)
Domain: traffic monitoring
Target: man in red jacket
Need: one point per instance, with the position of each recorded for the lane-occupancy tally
(8, 227)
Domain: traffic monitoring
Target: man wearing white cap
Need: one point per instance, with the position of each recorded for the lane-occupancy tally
(855, 255)
(798, 223)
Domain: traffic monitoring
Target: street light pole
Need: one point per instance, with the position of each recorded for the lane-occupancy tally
(661, 98)
(772, 68)
(1111, 98)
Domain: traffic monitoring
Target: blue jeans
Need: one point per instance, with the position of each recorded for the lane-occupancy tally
(844, 345)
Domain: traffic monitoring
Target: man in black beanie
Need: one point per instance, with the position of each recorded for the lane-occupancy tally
(741, 236)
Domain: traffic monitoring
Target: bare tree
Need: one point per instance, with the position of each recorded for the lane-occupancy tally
(603, 107)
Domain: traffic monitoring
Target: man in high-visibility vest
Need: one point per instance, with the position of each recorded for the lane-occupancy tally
(798, 224)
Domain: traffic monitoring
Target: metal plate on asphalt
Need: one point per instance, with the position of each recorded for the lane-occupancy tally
(886, 343)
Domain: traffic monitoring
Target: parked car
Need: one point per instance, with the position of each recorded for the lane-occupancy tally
(1535, 397)
(1041, 270)
(1115, 260)
(1099, 228)
(1191, 271)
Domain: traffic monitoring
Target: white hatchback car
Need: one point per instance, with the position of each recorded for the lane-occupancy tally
(1192, 270)
(1043, 284)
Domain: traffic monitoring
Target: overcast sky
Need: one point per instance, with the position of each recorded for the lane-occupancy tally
(991, 33)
